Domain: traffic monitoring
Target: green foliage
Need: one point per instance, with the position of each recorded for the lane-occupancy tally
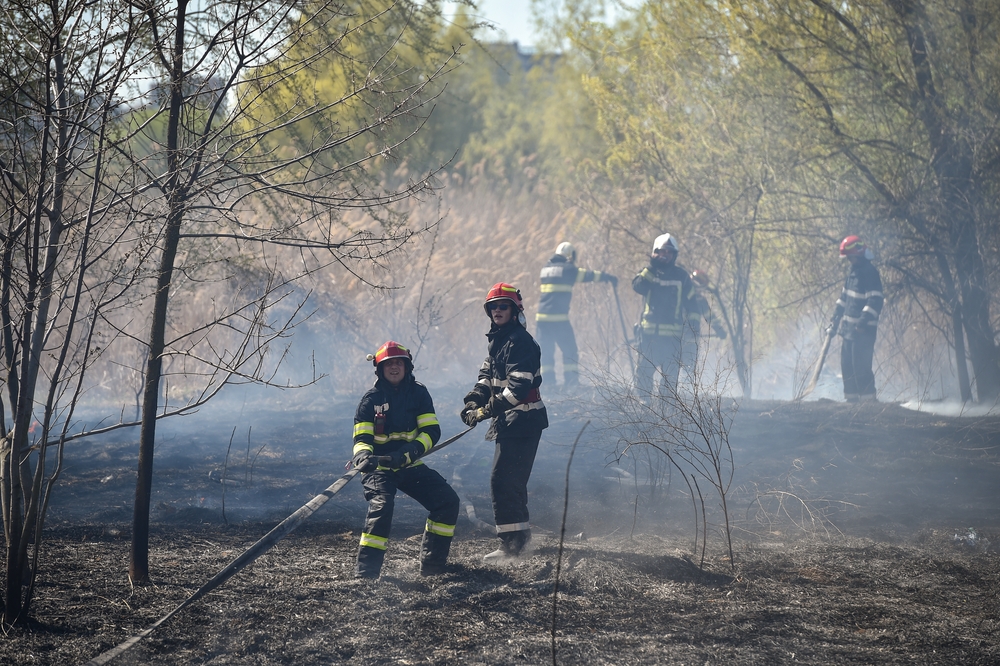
(361, 64)
(534, 126)
(803, 122)
(499, 113)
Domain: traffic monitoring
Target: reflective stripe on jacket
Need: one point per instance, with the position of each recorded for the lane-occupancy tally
(509, 381)
(860, 302)
(389, 416)
(670, 301)
(557, 278)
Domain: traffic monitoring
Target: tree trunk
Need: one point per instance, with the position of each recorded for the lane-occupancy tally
(961, 366)
(953, 166)
(176, 200)
(976, 314)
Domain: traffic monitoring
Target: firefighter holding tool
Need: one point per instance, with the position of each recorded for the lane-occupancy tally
(670, 305)
(856, 318)
(552, 323)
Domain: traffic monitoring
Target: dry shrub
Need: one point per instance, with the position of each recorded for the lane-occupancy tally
(434, 288)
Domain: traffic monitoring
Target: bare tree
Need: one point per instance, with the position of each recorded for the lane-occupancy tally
(117, 196)
(255, 154)
(64, 263)
(923, 167)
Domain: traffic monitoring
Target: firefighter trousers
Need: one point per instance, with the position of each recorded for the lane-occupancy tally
(512, 462)
(552, 334)
(666, 353)
(433, 493)
(856, 356)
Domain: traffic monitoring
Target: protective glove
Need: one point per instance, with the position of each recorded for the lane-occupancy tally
(469, 413)
(719, 331)
(473, 415)
(831, 330)
(365, 461)
(613, 279)
(406, 455)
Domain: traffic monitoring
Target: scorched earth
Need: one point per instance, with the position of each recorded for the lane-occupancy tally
(861, 535)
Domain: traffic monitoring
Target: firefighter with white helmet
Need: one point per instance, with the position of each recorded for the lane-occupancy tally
(856, 316)
(669, 306)
(395, 419)
(507, 392)
(553, 327)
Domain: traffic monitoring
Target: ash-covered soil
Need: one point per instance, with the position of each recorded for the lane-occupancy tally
(861, 536)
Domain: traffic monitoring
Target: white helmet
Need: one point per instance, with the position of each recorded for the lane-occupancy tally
(566, 250)
(665, 241)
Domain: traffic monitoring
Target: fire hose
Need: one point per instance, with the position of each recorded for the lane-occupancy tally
(264, 544)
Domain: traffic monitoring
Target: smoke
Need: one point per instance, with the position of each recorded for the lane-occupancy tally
(952, 408)
(784, 372)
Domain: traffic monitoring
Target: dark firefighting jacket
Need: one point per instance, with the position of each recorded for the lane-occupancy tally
(509, 380)
(670, 301)
(706, 313)
(558, 277)
(389, 417)
(860, 303)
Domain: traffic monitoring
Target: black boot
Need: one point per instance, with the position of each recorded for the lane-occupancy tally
(369, 562)
(434, 554)
(516, 542)
(512, 546)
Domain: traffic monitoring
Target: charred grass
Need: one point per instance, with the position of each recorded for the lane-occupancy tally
(890, 584)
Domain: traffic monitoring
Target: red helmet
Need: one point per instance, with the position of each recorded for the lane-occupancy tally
(391, 350)
(852, 247)
(699, 278)
(502, 291)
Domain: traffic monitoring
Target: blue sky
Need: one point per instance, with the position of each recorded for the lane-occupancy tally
(513, 17)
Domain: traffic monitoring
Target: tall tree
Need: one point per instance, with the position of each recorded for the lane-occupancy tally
(807, 120)
(903, 94)
(262, 147)
(64, 266)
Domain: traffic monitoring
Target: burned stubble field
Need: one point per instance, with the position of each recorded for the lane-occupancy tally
(862, 536)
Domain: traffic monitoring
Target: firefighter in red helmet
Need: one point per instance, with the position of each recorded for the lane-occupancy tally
(507, 392)
(396, 419)
(856, 316)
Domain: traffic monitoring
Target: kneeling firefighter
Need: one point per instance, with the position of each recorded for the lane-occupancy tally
(396, 419)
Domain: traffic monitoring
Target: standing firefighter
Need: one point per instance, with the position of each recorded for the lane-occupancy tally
(670, 313)
(857, 313)
(558, 277)
(396, 419)
(507, 392)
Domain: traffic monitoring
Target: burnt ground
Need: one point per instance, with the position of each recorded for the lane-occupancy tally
(851, 530)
